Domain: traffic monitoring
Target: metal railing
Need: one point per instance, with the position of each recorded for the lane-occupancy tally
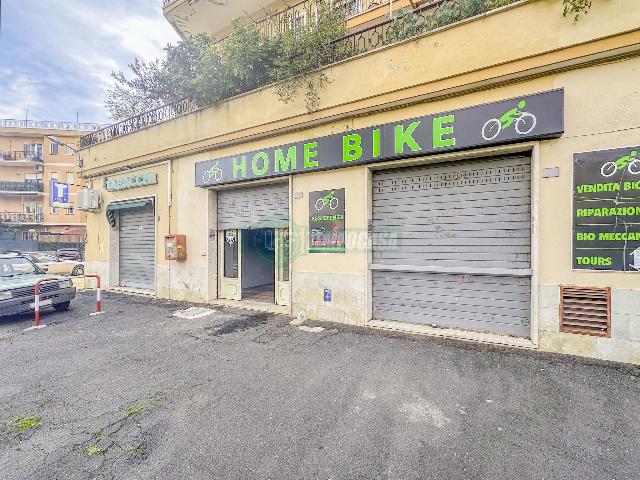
(138, 122)
(406, 25)
(21, 217)
(26, 186)
(21, 156)
(50, 125)
(166, 3)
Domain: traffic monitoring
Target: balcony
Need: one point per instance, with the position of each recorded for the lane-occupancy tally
(21, 217)
(18, 188)
(21, 156)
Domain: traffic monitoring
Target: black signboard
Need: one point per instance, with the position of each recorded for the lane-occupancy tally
(326, 221)
(513, 120)
(606, 210)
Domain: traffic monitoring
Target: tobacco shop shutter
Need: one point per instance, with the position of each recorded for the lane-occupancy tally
(452, 245)
(262, 206)
(137, 232)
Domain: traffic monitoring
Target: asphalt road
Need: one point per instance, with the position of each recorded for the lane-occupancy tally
(140, 394)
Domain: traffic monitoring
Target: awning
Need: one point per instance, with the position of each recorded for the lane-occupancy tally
(124, 205)
(130, 204)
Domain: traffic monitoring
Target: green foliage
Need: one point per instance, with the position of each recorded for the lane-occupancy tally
(408, 23)
(24, 424)
(576, 7)
(93, 450)
(134, 410)
(207, 72)
(303, 50)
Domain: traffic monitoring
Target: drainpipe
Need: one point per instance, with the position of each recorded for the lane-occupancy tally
(169, 205)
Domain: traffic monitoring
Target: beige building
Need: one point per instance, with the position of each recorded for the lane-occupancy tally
(29, 160)
(462, 183)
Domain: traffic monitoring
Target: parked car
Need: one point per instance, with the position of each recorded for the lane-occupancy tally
(57, 265)
(69, 254)
(18, 277)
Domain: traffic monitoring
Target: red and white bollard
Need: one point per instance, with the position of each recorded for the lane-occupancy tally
(98, 294)
(36, 302)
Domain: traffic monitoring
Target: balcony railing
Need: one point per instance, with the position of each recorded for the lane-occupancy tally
(144, 120)
(48, 125)
(26, 186)
(21, 217)
(21, 156)
(166, 3)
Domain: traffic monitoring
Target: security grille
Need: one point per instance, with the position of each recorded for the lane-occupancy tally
(585, 310)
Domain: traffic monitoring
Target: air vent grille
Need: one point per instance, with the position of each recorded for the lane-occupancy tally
(585, 310)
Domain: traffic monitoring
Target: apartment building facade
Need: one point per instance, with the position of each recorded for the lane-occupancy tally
(29, 160)
(479, 181)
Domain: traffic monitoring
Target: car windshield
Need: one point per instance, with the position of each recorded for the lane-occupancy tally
(10, 267)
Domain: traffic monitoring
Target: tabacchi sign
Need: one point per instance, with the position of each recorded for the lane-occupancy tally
(133, 181)
(507, 121)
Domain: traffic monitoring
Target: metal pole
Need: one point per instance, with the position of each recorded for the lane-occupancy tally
(37, 304)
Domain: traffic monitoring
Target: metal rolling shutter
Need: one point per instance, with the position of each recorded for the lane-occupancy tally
(463, 256)
(264, 206)
(137, 248)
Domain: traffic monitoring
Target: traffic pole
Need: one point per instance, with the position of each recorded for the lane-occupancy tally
(37, 304)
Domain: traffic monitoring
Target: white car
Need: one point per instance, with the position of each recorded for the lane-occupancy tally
(56, 265)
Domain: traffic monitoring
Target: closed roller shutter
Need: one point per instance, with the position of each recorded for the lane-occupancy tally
(463, 253)
(264, 206)
(137, 248)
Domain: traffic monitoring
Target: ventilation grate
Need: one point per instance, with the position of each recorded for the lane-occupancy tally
(585, 310)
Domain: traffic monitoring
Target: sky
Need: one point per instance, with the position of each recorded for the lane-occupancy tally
(56, 56)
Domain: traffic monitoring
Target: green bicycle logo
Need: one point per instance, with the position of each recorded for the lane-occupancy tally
(629, 162)
(523, 122)
(215, 172)
(329, 199)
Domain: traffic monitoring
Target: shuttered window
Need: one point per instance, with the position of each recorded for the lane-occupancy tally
(263, 206)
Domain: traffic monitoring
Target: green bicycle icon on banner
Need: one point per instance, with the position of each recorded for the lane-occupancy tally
(329, 199)
(629, 161)
(523, 122)
(215, 173)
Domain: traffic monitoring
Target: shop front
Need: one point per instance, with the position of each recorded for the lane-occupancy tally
(505, 215)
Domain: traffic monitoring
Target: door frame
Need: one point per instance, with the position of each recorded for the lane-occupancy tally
(530, 148)
(213, 205)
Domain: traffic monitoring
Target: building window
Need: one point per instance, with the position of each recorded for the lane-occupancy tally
(33, 150)
(54, 148)
(29, 235)
(70, 210)
(70, 178)
(54, 175)
(33, 177)
(53, 210)
(69, 151)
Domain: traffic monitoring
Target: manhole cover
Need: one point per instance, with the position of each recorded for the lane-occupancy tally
(193, 312)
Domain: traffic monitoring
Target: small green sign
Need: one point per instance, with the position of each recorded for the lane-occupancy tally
(326, 221)
(132, 181)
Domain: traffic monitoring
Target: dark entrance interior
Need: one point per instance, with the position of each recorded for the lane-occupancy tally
(258, 265)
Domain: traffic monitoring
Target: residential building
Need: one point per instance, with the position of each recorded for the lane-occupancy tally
(29, 159)
(479, 180)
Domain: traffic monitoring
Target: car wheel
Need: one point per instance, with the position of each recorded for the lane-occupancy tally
(77, 270)
(61, 307)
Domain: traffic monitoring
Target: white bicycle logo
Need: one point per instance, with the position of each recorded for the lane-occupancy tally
(523, 122)
(214, 172)
(630, 162)
(329, 199)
